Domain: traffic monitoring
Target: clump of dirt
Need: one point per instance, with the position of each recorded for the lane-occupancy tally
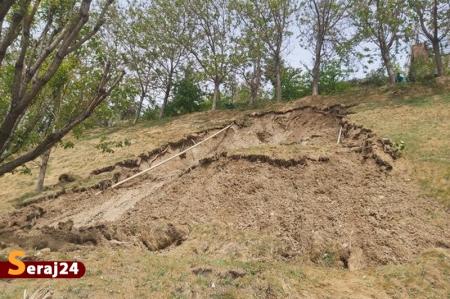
(279, 174)
(161, 235)
(67, 178)
(259, 158)
(56, 238)
(23, 218)
(129, 163)
(103, 170)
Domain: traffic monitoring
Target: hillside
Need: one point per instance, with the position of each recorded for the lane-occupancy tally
(273, 207)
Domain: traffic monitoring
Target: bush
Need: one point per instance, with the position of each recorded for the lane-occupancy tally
(187, 97)
(332, 77)
(295, 84)
(151, 113)
(422, 70)
(375, 78)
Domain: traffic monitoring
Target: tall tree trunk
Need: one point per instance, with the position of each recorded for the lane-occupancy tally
(254, 89)
(435, 40)
(216, 95)
(234, 93)
(316, 77)
(166, 97)
(141, 103)
(317, 62)
(388, 65)
(42, 171)
(255, 83)
(438, 58)
(277, 77)
(391, 74)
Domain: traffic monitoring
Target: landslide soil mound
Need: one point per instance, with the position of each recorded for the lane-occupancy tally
(279, 175)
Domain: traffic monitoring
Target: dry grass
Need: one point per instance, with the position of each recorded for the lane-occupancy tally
(170, 275)
(423, 123)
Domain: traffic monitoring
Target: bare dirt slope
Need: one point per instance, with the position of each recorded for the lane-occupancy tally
(280, 175)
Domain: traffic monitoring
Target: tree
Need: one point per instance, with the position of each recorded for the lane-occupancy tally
(125, 26)
(382, 22)
(166, 22)
(52, 97)
(149, 33)
(251, 50)
(32, 50)
(434, 19)
(321, 26)
(210, 40)
(273, 18)
(59, 101)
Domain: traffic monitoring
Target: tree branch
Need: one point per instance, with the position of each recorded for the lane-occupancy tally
(102, 93)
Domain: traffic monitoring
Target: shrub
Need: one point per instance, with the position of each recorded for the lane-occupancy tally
(422, 70)
(151, 113)
(375, 78)
(295, 84)
(332, 77)
(187, 97)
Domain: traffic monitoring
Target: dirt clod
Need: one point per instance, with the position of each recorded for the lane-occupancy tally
(66, 178)
(234, 273)
(202, 271)
(103, 170)
(66, 226)
(162, 235)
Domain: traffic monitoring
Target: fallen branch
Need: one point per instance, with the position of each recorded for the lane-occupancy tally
(167, 160)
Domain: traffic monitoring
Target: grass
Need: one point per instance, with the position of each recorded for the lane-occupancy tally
(170, 275)
(423, 123)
